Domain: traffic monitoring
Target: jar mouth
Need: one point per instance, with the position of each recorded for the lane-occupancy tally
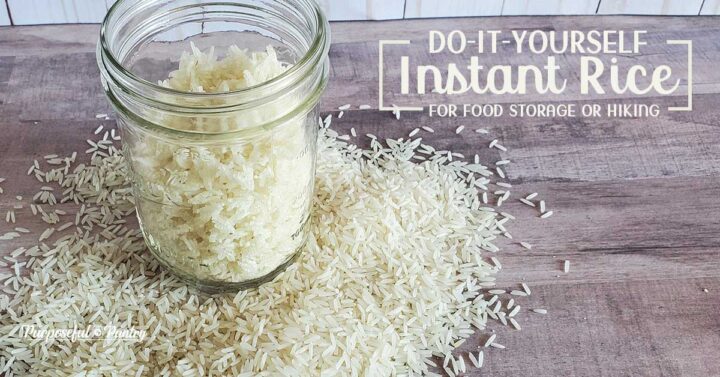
(200, 137)
(149, 91)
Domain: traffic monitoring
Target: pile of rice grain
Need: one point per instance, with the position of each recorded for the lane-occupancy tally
(393, 277)
(230, 211)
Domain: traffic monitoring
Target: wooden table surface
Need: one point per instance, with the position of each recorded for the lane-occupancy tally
(636, 201)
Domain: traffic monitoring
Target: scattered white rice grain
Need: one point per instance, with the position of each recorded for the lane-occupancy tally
(526, 245)
(414, 132)
(502, 162)
(539, 311)
(46, 234)
(518, 293)
(492, 300)
(546, 215)
(371, 136)
(16, 253)
(98, 130)
(473, 360)
(506, 195)
(65, 226)
(542, 206)
(352, 132)
(514, 311)
(98, 116)
(497, 291)
(526, 288)
(500, 172)
(531, 196)
(527, 202)
(22, 230)
(428, 129)
(497, 345)
(364, 107)
(507, 215)
(459, 129)
(490, 340)
(461, 360)
(514, 324)
(496, 310)
(476, 159)
(9, 236)
(566, 266)
(344, 107)
(504, 184)
(455, 364)
(494, 144)
(481, 131)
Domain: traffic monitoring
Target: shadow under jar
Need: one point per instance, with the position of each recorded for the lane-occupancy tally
(223, 180)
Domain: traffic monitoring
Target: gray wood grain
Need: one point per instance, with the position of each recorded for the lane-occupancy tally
(636, 201)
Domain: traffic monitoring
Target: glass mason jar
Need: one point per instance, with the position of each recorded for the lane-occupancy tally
(223, 181)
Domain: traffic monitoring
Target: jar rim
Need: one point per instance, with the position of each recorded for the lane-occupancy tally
(315, 53)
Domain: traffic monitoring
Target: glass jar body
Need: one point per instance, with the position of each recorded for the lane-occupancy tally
(224, 215)
(223, 183)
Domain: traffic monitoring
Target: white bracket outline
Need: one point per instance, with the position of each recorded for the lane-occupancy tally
(687, 42)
